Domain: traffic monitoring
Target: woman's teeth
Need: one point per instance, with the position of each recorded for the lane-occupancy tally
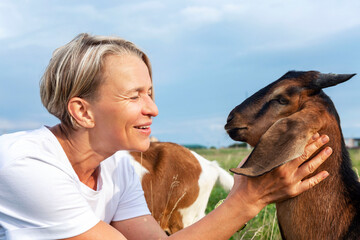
(143, 127)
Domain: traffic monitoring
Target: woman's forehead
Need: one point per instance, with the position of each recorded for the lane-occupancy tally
(128, 73)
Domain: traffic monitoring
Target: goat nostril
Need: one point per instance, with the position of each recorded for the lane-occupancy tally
(230, 117)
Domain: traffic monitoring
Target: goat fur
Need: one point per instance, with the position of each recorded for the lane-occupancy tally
(177, 183)
(278, 121)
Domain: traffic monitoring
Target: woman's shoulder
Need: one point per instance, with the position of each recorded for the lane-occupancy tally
(34, 144)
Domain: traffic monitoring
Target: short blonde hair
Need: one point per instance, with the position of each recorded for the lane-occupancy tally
(74, 71)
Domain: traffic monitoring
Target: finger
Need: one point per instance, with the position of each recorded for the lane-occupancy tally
(310, 149)
(311, 182)
(314, 138)
(310, 166)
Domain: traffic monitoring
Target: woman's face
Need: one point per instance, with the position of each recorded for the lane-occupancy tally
(124, 109)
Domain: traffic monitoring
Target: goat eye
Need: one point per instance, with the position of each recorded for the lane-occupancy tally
(283, 101)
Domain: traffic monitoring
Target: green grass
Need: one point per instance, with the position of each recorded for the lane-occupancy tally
(355, 157)
(264, 225)
(227, 157)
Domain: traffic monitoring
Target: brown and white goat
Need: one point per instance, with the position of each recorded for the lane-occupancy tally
(177, 183)
(278, 121)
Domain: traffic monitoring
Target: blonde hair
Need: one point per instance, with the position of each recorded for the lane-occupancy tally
(74, 71)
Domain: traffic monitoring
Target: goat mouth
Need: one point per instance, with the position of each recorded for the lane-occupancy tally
(237, 134)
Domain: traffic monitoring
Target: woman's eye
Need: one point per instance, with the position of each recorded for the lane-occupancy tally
(134, 97)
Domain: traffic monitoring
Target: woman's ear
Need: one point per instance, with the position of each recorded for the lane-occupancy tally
(79, 109)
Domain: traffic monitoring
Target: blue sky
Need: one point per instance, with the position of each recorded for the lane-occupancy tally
(207, 55)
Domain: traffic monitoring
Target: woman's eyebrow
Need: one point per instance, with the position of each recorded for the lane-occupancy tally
(137, 89)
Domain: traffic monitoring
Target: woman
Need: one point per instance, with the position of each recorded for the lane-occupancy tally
(56, 184)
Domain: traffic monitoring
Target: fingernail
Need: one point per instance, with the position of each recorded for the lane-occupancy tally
(328, 150)
(324, 139)
(324, 175)
(315, 136)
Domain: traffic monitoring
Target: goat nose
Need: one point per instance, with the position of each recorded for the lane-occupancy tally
(230, 117)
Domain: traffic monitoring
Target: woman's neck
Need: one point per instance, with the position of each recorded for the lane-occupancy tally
(82, 157)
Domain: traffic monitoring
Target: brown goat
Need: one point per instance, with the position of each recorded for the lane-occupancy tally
(177, 183)
(279, 120)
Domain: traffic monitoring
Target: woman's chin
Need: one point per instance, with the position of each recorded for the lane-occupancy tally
(143, 147)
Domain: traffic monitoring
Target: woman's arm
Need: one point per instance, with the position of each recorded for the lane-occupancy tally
(100, 231)
(246, 199)
(143, 227)
(250, 195)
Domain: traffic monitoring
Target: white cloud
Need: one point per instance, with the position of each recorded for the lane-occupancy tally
(301, 19)
(209, 130)
(166, 28)
(85, 10)
(260, 24)
(280, 24)
(11, 20)
(198, 16)
(191, 124)
(9, 125)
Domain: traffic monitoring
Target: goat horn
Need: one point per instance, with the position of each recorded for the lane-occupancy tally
(331, 79)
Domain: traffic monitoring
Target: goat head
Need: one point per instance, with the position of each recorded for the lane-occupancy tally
(280, 119)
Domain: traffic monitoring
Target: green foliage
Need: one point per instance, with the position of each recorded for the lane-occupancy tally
(194, 146)
(238, 145)
(355, 157)
(226, 157)
(217, 194)
(264, 225)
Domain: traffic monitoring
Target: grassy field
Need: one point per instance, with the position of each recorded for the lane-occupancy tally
(264, 225)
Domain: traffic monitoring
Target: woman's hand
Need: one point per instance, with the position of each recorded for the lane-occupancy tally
(286, 181)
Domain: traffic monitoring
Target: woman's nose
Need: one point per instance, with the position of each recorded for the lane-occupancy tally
(150, 107)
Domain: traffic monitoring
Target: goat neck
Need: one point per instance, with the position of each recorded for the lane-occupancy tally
(278, 121)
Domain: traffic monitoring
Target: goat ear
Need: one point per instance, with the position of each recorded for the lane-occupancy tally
(330, 79)
(283, 141)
